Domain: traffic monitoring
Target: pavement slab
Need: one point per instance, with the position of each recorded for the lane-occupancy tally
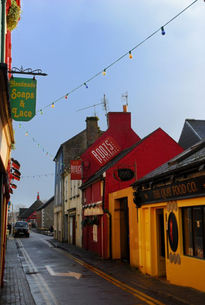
(16, 290)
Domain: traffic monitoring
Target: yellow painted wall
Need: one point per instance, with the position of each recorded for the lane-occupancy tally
(133, 232)
(191, 271)
(149, 259)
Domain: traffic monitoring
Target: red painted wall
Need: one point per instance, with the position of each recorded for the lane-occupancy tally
(148, 154)
(154, 150)
(118, 136)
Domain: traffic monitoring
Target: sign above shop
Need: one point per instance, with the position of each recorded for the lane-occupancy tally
(105, 150)
(22, 98)
(186, 189)
(124, 174)
(76, 169)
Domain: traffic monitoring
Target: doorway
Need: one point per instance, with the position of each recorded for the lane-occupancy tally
(124, 230)
(160, 242)
(72, 230)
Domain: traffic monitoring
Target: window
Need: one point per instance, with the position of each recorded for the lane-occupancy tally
(194, 231)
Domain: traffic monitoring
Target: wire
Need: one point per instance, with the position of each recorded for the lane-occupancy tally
(120, 58)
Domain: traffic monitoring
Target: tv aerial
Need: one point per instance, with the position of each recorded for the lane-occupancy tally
(103, 103)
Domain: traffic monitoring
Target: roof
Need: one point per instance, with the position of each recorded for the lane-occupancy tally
(193, 131)
(44, 205)
(31, 209)
(66, 142)
(108, 165)
(188, 159)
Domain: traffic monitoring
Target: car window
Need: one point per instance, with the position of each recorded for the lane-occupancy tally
(21, 224)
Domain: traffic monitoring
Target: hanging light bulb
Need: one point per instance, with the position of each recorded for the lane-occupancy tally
(26, 134)
(52, 105)
(130, 55)
(163, 31)
(86, 86)
(41, 111)
(104, 72)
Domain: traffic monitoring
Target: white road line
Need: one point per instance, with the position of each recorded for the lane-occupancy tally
(46, 293)
(71, 274)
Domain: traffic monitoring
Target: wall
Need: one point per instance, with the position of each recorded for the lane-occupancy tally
(185, 271)
(133, 225)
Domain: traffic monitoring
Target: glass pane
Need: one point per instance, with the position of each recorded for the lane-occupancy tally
(187, 230)
(198, 232)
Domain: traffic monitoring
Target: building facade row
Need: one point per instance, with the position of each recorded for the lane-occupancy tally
(102, 210)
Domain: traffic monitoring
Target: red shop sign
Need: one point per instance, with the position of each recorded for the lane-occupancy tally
(105, 151)
(76, 169)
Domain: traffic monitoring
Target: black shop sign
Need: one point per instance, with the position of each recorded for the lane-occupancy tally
(186, 189)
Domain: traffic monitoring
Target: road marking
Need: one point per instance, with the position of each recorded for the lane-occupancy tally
(137, 293)
(71, 274)
(46, 293)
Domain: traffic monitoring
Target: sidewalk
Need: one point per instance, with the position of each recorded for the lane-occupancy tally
(157, 288)
(16, 290)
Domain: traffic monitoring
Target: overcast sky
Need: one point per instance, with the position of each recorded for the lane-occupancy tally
(72, 41)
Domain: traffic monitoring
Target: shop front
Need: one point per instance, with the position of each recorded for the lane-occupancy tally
(171, 221)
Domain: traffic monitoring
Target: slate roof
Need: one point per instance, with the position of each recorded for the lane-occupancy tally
(193, 131)
(31, 209)
(108, 165)
(44, 205)
(188, 159)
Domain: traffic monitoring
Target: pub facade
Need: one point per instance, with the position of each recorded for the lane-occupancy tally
(170, 203)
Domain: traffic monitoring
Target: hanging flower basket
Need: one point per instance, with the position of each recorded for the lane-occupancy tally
(13, 16)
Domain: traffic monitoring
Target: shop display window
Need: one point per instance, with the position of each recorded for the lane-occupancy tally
(194, 231)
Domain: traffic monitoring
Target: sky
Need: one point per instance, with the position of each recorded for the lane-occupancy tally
(72, 41)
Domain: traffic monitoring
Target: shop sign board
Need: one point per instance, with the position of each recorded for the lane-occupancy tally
(186, 189)
(105, 150)
(76, 169)
(22, 98)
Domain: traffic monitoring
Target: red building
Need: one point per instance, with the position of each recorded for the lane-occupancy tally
(118, 137)
(140, 158)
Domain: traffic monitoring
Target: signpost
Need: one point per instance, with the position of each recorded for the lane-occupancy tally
(23, 98)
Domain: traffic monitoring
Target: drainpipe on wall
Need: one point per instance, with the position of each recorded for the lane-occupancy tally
(3, 29)
(110, 217)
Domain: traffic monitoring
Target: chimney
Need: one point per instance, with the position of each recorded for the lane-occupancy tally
(119, 120)
(38, 197)
(92, 130)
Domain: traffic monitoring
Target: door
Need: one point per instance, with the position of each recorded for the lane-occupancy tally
(160, 242)
(124, 230)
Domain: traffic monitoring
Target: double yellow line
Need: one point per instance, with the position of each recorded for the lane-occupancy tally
(137, 293)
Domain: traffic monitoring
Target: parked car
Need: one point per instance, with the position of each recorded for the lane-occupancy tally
(21, 228)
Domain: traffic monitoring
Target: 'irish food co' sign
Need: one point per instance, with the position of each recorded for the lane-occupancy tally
(23, 98)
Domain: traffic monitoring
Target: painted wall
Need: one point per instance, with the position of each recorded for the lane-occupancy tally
(180, 269)
(114, 209)
(118, 136)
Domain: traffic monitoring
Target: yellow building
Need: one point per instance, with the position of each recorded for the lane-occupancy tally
(171, 219)
(6, 141)
(73, 210)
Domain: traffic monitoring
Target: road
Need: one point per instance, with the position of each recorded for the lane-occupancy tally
(57, 278)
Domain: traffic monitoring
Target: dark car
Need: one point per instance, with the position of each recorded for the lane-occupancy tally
(21, 228)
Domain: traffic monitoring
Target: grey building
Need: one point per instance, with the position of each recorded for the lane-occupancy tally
(70, 150)
(45, 214)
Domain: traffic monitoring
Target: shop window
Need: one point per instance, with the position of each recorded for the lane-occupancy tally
(194, 231)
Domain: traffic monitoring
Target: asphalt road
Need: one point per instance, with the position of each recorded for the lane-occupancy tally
(55, 278)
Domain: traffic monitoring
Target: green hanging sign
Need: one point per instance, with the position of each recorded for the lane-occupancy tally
(22, 98)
